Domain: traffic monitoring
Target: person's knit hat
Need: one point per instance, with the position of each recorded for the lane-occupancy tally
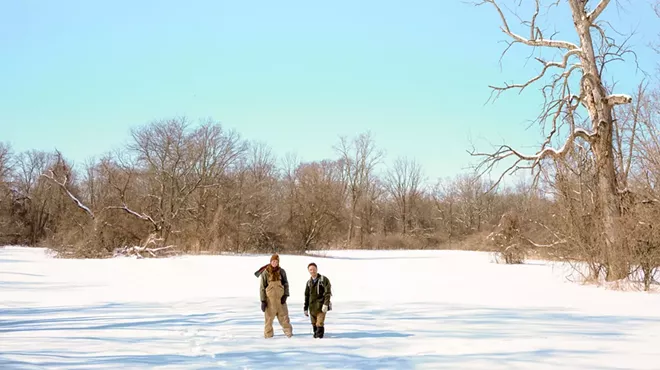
(275, 257)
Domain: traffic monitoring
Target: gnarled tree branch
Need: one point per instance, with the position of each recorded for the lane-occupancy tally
(536, 37)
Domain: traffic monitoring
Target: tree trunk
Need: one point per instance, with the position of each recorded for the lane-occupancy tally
(608, 204)
(600, 113)
(404, 219)
(351, 224)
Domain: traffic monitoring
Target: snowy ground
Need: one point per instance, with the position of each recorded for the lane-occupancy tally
(392, 310)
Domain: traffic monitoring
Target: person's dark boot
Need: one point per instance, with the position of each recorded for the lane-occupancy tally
(315, 331)
(320, 332)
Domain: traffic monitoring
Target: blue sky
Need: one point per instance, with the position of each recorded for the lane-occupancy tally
(78, 75)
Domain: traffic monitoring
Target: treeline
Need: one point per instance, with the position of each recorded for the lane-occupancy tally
(199, 188)
(202, 188)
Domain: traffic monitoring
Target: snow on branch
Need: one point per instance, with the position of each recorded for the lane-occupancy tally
(593, 15)
(141, 216)
(139, 250)
(536, 37)
(526, 161)
(560, 103)
(62, 184)
(618, 99)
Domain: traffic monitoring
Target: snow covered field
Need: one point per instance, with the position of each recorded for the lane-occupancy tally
(392, 310)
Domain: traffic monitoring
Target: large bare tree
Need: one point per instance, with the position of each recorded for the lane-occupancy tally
(575, 84)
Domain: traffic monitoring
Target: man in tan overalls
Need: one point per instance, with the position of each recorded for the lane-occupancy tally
(274, 290)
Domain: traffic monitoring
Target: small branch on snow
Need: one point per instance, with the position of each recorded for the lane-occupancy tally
(137, 251)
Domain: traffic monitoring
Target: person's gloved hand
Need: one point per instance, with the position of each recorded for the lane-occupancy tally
(263, 306)
(283, 301)
(324, 308)
(306, 313)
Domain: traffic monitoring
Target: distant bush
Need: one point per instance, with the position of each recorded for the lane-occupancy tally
(507, 238)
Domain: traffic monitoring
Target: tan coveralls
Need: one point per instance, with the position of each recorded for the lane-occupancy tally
(273, 290)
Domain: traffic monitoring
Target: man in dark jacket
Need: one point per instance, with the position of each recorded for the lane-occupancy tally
(317, 299)
(273, 291)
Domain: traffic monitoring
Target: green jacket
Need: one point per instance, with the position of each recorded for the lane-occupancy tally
(317, 294)
(265, 278)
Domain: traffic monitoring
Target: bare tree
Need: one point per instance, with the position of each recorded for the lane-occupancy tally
(61, 175)
(5, 193)
(372, 212)
(317, 207)
(637, 149)
(124, 189)
(647, 149)
(262, 207)
(463, 204)
(656, 7)
(29, 167)
(588, 57)
(165, 150)
(218, 193)
(359, 157)
(628, 126)
(445, 197)
(404, 186)
(89, 182)
(5, 168)
(5, 156)
(255, 210)
(32, 194)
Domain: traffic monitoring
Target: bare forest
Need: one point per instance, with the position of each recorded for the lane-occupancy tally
(196, 187)
(199, 188)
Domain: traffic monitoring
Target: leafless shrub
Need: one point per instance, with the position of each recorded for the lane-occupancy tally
(507, 237)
